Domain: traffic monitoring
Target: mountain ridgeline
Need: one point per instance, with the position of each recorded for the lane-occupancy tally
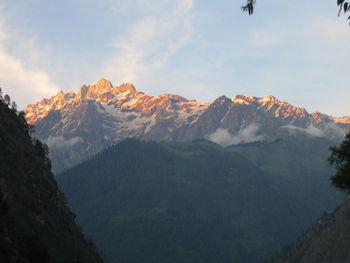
(199, 202)
(35, 224)
(76, 126)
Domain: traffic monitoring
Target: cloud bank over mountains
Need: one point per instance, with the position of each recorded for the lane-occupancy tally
(245, 135)
(60, 142)
(310, 130)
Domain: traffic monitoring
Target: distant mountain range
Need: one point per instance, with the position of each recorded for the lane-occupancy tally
(260, 191)
(76, 126)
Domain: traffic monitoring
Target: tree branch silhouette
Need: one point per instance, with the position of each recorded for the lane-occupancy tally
(344, 7)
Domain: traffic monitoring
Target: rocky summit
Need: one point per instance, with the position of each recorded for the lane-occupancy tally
(76, 126)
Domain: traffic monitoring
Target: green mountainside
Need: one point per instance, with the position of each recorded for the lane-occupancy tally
(328, 240)
(35, 224)
(302, 161)
(199, 202)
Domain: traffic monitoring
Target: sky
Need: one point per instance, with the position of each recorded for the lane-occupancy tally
(297, 51)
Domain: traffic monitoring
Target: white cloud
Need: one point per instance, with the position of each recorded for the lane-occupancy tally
(22, 81)
(60, 142)
(225, 138)
(151, 41)
(335, 129)
(30, 82)
(310, 130)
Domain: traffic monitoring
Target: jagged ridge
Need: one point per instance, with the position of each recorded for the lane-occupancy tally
(100, 115)
(124, 96)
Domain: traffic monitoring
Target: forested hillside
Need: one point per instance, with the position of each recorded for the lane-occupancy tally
(302, 163)
(328, 240)
(193, 202)
(35, 224)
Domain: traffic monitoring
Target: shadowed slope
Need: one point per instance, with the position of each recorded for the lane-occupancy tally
(35, 224)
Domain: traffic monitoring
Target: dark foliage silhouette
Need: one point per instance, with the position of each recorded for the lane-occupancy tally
(344, 6)
(340, 158)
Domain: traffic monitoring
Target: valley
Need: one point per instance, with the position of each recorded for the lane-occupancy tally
(258, 165)
(166, 179)
(178, 131)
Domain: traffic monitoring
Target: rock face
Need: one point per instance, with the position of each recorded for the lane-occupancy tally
(35, 224)
(327, 241)
(77, 126)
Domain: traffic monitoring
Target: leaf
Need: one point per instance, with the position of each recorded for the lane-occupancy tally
(249, 7)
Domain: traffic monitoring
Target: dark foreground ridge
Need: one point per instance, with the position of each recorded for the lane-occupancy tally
(35, 224)
(327, 241)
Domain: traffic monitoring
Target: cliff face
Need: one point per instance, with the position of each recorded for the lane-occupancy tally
(326, 241)
(35, 224)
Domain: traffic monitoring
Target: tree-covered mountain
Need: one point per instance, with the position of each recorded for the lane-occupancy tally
(301, 161)
(327, 240)
(35, 224)
(197, 201)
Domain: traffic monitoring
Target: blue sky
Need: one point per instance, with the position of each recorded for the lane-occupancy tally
(297, 51)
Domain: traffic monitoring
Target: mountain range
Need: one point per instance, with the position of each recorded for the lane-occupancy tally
(76, 126)
(272, 168)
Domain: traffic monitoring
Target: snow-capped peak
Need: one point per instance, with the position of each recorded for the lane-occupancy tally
(343, 120)
(124, 96)
(100, 114)
(270, 103)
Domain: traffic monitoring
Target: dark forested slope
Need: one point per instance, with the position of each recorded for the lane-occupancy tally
(301, 161)
(35, 224)
(328, 240)
(189, 202)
